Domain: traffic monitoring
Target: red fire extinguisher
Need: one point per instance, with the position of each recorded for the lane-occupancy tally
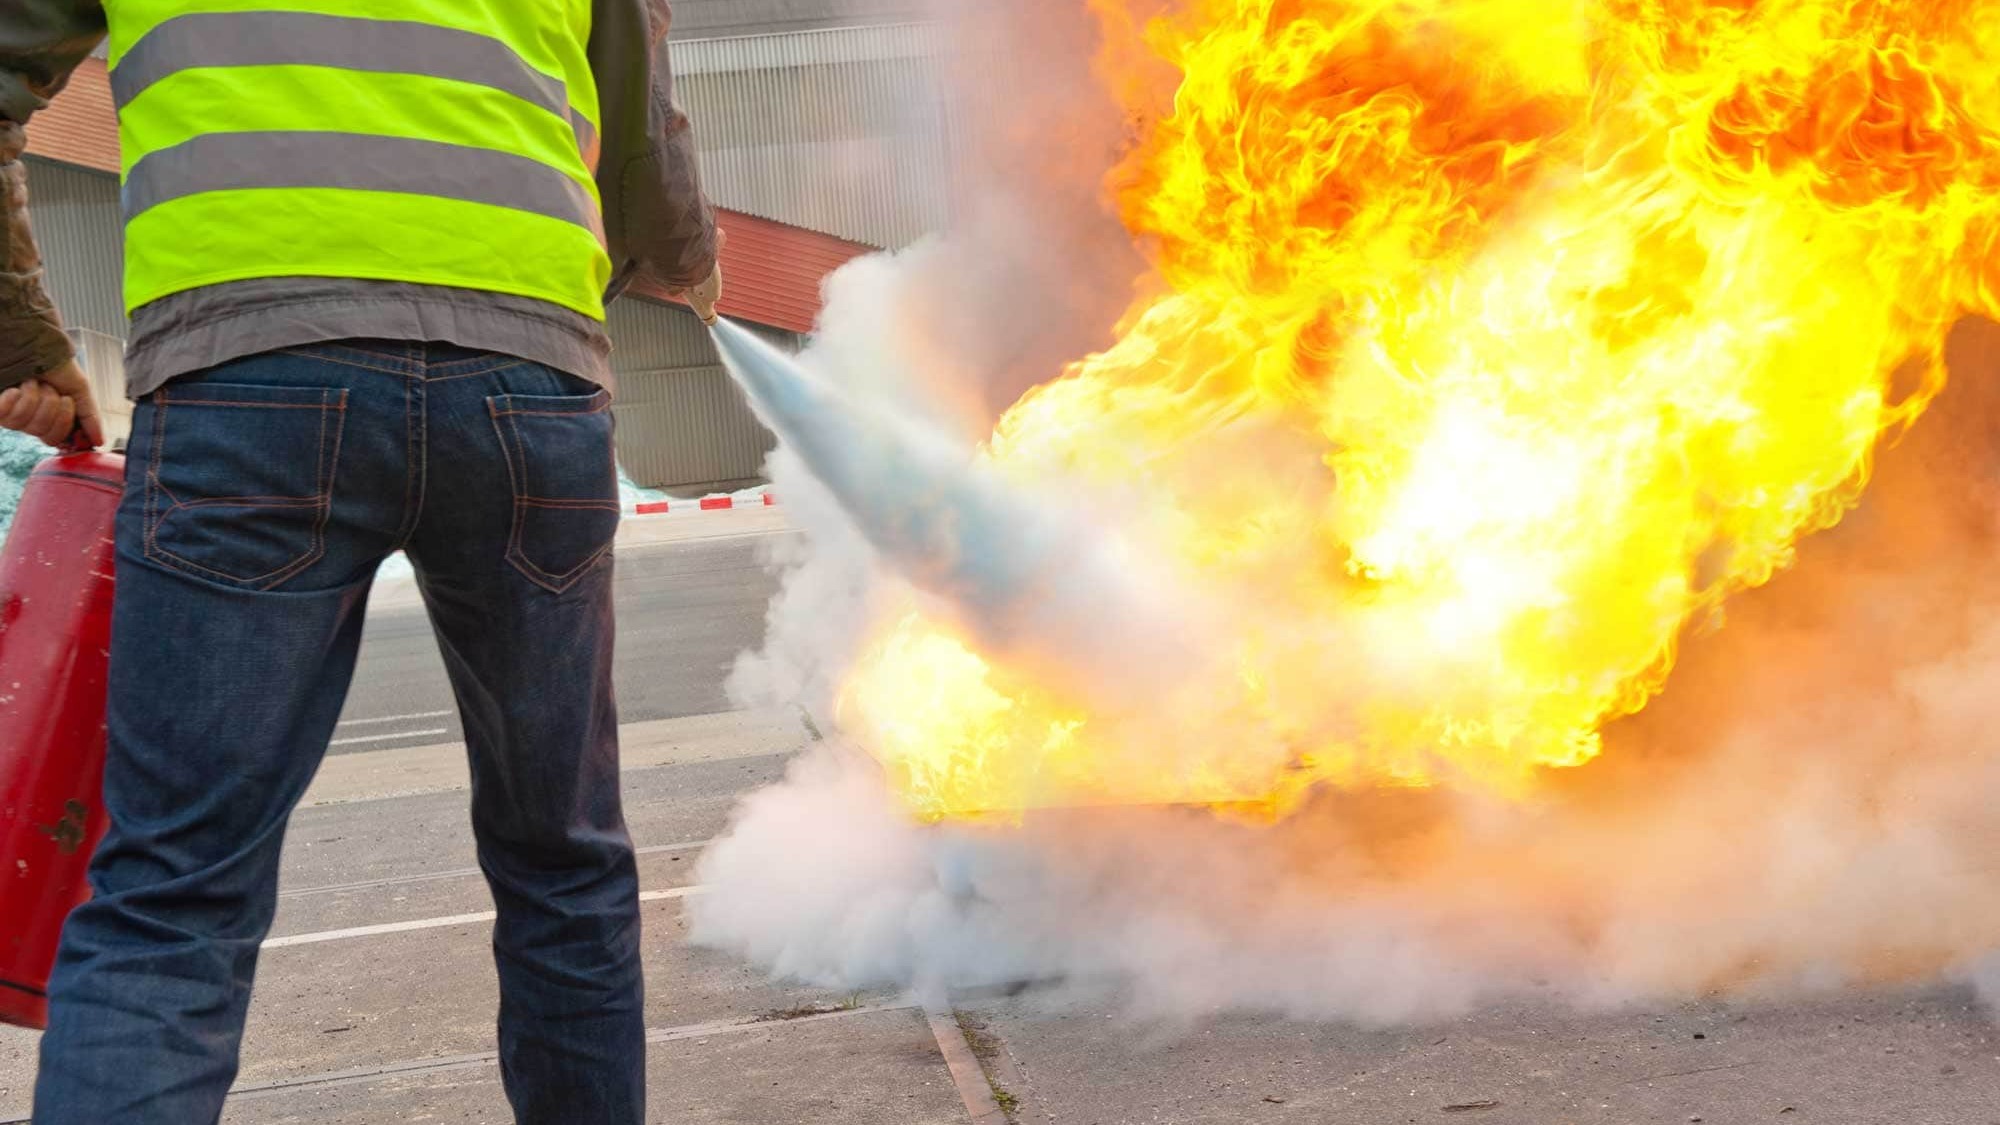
(55, 640)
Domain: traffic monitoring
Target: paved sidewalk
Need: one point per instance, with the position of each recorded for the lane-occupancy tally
(376, 1003)
(376, 995)
(642, 531)
(665, 742)
(1906, 1057)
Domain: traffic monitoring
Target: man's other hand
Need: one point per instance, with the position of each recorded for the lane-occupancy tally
(702, 298)
(53, 406)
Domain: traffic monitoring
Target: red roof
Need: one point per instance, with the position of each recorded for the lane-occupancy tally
(80, 126)
(772, 271)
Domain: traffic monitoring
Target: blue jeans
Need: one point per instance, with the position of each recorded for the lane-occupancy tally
(260, 497)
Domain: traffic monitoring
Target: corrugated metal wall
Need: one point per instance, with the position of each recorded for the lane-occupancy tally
(102, 357)
(682, 424)
(712, 19)
(75, 214)
(842, 130)
(839, 130)
(651, 337)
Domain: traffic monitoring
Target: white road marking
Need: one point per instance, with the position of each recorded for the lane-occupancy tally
(437, 923)
(435, 1065)
(392, 719)
(389, 737)
(460, 873)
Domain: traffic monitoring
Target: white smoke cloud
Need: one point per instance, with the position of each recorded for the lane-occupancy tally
(1810, 805)
(947, 333)
(1818, 843)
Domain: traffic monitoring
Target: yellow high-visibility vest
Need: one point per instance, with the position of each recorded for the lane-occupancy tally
(443, 142)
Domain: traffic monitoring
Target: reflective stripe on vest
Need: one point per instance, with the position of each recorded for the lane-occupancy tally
(434, 149)
(310, 39)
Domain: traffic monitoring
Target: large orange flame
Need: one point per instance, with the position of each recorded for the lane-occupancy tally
(1491, 344)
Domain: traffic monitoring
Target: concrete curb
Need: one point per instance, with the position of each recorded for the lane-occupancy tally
(397, 588)
(720, 502)
(705, 504)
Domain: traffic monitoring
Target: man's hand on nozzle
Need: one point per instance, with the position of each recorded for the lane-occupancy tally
(53, 406)
(702, 298)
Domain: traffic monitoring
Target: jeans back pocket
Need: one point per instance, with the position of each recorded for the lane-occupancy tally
(239, 479)
(564, 471)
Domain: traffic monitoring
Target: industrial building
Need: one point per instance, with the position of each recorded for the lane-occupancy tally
(821, 139)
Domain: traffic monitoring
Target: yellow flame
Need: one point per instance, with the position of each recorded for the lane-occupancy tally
(1494, 343)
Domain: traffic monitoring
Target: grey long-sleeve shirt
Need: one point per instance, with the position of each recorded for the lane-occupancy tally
(657, 226)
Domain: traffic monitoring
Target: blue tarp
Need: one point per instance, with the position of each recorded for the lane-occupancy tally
(18, 457)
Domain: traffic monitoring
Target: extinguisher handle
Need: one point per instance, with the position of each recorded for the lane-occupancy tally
(77, 442)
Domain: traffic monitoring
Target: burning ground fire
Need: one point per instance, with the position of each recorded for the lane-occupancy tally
(1523, 492)
(1487, 347)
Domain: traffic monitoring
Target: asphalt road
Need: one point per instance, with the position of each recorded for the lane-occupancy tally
(685, 610)
(375, 996)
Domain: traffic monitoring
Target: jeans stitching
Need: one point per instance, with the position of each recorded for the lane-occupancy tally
(600, 408)
(258, 405)
(241, 502)
(410, 502)
(475, 374)
(153, 480)
(600, 401)
(484, 365)
(569, 577)
(328, 458)
(232, 579)
(516, 556)
(324, 502)
(154, 477)
(318, 357)
(515, 487)
(423, 457)
(572, 576)
(323, 485)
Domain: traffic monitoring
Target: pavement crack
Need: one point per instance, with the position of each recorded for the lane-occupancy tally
(812, 728)
(976, 1088)
(1687, 1073)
